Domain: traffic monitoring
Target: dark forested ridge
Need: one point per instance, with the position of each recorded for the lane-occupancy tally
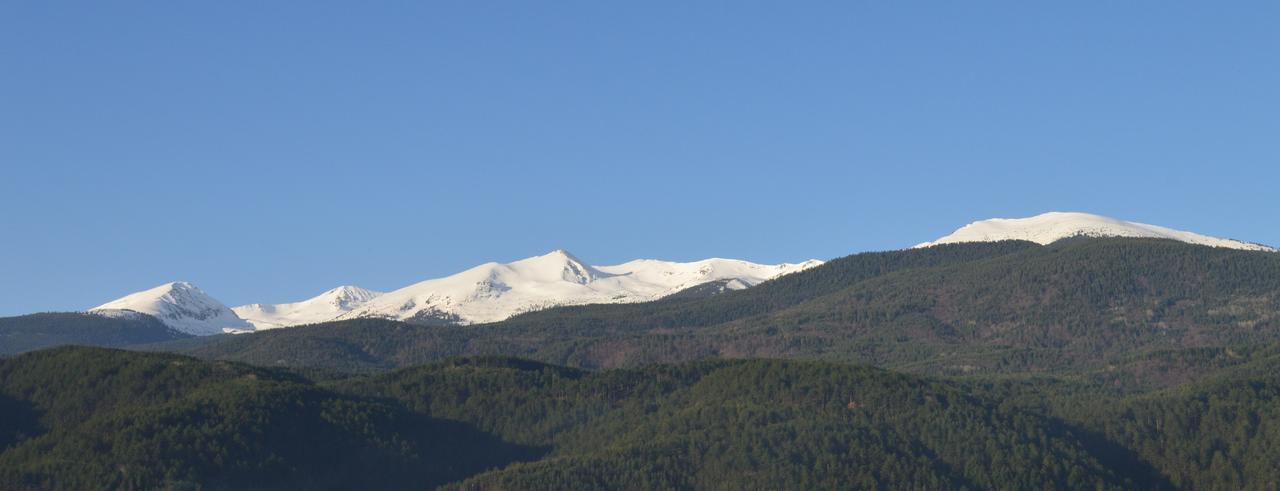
(1012, 307)
(91, 418)
(88, 418)
(35, 331)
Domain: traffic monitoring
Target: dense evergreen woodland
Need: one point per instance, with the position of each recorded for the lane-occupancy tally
(1086, 364)
(87, 418)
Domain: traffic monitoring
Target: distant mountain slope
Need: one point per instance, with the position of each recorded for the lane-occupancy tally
(36, 331)
(321, 308)
(179, 305)
(1051, 227)
(1003, 307)
(579, 335)
(493, 292)
(1068, 306)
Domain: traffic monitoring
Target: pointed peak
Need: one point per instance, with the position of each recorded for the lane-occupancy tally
(180, 305)
(347, 295)
(346, 289)
(561, 253)
(180, 285)
(558, 264)
(558, 256)
(182, 288)
(323, 307)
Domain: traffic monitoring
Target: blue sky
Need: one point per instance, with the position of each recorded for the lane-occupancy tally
(267, 151)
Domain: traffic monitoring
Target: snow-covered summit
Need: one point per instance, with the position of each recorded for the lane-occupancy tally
(1053, 226)
(181, 306)
(486, 293)
(494, 291)
(323, 307)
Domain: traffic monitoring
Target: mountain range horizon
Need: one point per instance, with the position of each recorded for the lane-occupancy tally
(493, 291)
(1124, 348)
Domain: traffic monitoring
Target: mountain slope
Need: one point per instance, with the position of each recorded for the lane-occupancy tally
(1220, 434)
(492, 292)
(321, 308)
(749, 424)
(605, 335)
(35, 331)
(179, 305)
(1054, 226)
(1069, 306)
(1003, 307)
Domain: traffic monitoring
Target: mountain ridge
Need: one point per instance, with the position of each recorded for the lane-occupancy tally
(485, 293)
(495, 291)
(967, 308)
(322, 307)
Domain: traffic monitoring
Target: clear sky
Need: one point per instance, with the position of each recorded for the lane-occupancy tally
(267, 151)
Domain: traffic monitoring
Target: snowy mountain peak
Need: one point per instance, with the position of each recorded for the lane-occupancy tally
(320, 308)
(556, 265)
(347, 297)
(179, 305)
(485, 293)
(493, 291)
(1053, 226)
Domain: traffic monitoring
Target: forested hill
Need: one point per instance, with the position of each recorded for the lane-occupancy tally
(77, 418)
(1009, 307)
(92, 418)
(106, 418)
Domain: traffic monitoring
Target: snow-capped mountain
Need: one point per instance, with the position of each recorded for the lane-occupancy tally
(179, 305)
(1050, 227)
(492, 292)
(486, 293)
(324, 307)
